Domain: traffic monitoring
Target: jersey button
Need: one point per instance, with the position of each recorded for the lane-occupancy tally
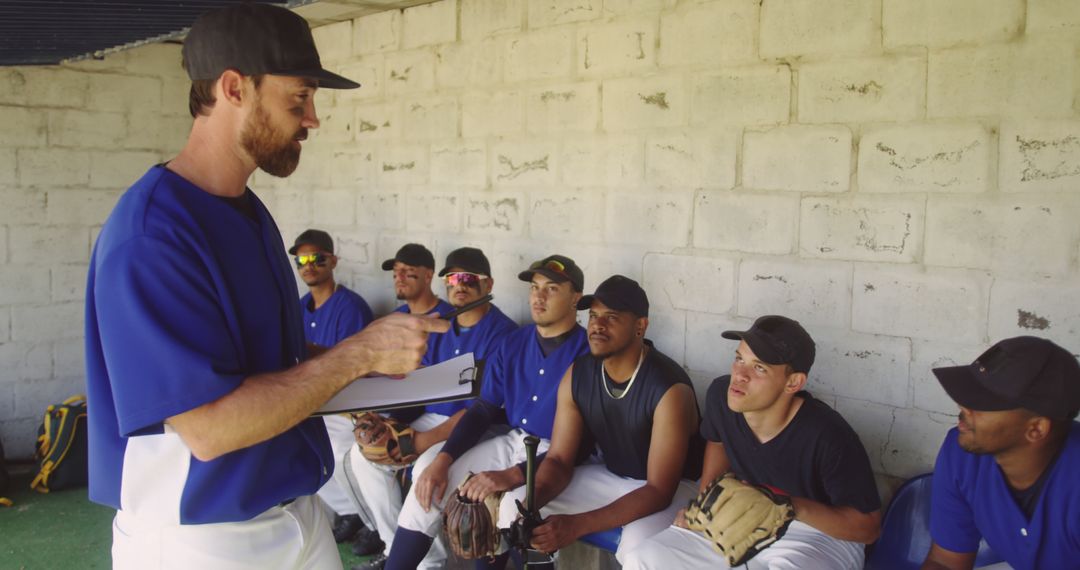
(457, 351)
(534, 398)
(524, 420)
(1023, 531)
(312, 325)
(541, 371)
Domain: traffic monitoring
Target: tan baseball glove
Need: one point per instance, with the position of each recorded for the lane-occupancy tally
(384, 441)
(472, 526)
(739, 519)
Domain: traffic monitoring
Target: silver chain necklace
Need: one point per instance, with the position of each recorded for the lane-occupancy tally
(603, 376)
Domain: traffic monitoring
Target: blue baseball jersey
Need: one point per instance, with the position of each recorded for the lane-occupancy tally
(341, 316)
(971, 500)
(521, 379)
(480, 339)
(186, 297)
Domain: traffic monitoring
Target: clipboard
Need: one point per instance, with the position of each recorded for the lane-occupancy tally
(450, 380)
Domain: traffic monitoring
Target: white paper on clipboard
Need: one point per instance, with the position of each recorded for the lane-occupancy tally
(446, 381)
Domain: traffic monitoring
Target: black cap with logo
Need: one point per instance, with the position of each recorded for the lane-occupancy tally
(559, 269)
(778, 340)
(411, 254)
(255, 39)
(619, 293)
(317, 238)
(468, 259)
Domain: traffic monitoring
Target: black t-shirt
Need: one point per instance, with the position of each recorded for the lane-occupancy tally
(622, 428)
(817, 456)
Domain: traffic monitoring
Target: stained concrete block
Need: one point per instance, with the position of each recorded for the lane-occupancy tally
(336, 127)
(884, 227)
(539, 55)
(575, 217)
(561, 108)
(691, 160)
(45, 87)
(813, 293)
(799, 158)
(69, 360)
(433, 212)
(1052, 16)
(431, 118)
(931, 304)
(154, 131)
(380, 210)
(123, 93)
(469, 64)
(871, 422)
(21, 287)
(368, 72)
(751, 95)
(644, 102)
(926, 392)
(352, 168)
(22, 206)
(544, 13)
(430, 24)
(26, 361)
(623, 7)
(36, 323)
(865, 367)
(333, 208)
(334, 41)
(402, 164)
(925, 158)
(500, 214)
(378, 122)
(79, 206)
(863, 90)
(938, 23)
(1024, 79)
(119, 169)
(622, 46)
(614, 162)
(1049, 308)
(68, 282)
(1005, 233)
(53, 167)
(706, 351)
(688, 282)
(377, 33)
(1039, 156)
(523, 163)
(713, 33)
(298, 204)
(23, 127)
(409, 72)
(459, 163)
(667, 331)
(494, 113)
(914, 442)
(746, 221)
(7, 167)
(72, 128)
(483, 18)
(819, 27)
(654, 219)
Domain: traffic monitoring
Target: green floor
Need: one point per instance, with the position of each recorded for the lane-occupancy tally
(63, 530)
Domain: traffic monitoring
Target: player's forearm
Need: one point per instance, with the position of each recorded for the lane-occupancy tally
(844, 523)
(639, 503)
(552, 477)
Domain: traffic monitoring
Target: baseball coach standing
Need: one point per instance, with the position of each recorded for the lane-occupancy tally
(200, 384)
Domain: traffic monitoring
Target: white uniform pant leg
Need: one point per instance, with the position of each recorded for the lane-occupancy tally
(296, 536)
(340, 430)
(802, 547)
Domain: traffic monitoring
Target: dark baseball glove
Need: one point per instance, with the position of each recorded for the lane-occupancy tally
(739, 519)
(384, 441)
(472, 526)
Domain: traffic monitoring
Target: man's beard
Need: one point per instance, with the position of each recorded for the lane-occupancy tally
(271, 154)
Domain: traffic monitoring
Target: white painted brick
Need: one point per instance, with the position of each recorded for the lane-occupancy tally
(22, 206)
(819, 27)
(459, 164)
(706, 350)
(1052, 16)
(543, 13)
(370, 73)
(7, 167)
(863, 90)
(19, 286)
(334, 41)
(80, 207)
(409, 72)
(566, 216)
(495, 113)
(69, 358)
(667, 331)
(1031, 78)
(710, 34)
(1003, 233)
(53, 167)
(1039, 156)
(433, 213)
(865, 367)
(356, 249)
(943, 23)
(558, 108)
(495, 214)
(644, 102)
(335, 127)
(799, 158)
(522, 163)
(691, 160)
(932, 304)
(614, 162)
(68, 282)
(653, 219)
(123, 93)
(402, 164)
(380, 210)
(622, 7)
(617, 47)
(151, 130)
(23, 127)
(746, 221)
(333, 207)
(430, 24)
(44, 87)
(914, 442)
(870, 421)
(927, 393)
(882, 227)
(539, 55)
(925, 158)
(58, 244)
(26, 361)
(119, 169)
(1043, 307)
(690, 283)
(813, 293)
(378, 121)
(42, 323)
(352, 168)
(430, 118)
(469, 65)
(754, 95)
(483, 18)
(377, 33)
(313, 170)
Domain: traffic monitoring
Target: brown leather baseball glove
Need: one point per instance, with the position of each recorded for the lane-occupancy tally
(739, 519)
(472, 526)
(384, 441)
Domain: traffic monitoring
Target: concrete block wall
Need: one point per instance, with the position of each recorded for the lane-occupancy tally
(73, 138)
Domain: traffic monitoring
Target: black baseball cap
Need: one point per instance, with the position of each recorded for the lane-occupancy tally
(255, 39)
(778, 340)
(1021, 372)
(317, 238)
(469, 259)
(620, 293)
(559, 269)
(411, 254)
